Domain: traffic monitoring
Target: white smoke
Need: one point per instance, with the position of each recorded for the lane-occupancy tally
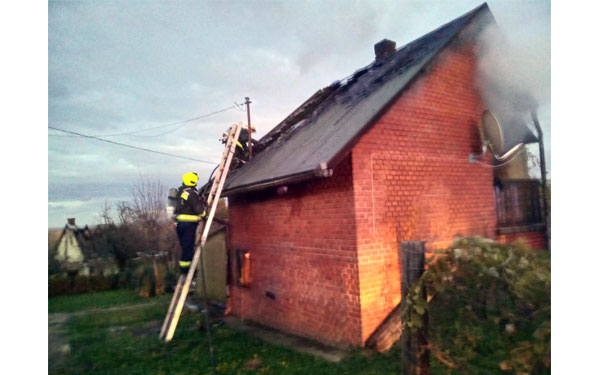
(514, 72)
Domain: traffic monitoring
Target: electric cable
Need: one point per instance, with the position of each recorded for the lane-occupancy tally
(240, 107)
(181, 123)
(177, 128)
(501, 164)
(130, 146)
(211, 173)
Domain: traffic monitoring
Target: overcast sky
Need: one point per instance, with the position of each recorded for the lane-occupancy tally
(123, 66)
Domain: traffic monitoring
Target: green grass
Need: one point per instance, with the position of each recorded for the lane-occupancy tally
(126, 342)
(98, 300)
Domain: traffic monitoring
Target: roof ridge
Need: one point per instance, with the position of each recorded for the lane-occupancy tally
(469, 14)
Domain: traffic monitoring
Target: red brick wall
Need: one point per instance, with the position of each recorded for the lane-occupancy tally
(413, 180)
(303, 250)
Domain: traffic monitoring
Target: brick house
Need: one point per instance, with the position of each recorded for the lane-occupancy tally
(382, 157)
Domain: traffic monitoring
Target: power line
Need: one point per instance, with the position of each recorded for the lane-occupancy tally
(240, 107)
(181, 123)
(130, 146)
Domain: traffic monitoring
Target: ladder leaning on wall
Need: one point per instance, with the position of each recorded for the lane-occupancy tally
(183, 282)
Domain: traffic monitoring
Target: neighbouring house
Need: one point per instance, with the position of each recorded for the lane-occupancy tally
(69, 247)
(317, 215)
(76, 254)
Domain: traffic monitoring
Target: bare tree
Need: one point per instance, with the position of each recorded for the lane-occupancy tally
(148, 210)
(106, 213)
(125, 213)
(140, 226)
(148, 199)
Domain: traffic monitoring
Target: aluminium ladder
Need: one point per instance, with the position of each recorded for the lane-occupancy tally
(183, 282)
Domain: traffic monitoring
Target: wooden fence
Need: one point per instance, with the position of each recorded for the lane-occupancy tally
(415, 352)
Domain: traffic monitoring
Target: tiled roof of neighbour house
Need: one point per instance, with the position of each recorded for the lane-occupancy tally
(86, 243)
(319, 134)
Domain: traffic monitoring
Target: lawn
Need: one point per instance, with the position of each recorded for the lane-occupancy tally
(126, 342)
(101, 300)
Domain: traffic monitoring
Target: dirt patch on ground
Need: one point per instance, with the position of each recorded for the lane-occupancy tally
(151, 328)
(58, 343)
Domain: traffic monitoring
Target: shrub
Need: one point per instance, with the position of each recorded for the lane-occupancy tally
(148, 278)
(53, 263)
(62, 284)
(145, 280)
(79, 284)
(58, 285)
(160, 284)
(488, 307)
(97, 283)
(151, 278)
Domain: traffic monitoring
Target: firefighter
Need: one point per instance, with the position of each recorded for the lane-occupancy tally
(190, 209)
(243, 140)
(241, 150)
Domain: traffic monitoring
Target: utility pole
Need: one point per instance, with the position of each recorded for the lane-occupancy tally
(249, 128)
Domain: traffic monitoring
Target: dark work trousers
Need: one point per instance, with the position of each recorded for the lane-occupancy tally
(186, 231)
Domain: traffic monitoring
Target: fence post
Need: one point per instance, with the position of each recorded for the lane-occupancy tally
(415, 355)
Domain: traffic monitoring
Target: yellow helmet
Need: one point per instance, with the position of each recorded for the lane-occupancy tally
(190, 179)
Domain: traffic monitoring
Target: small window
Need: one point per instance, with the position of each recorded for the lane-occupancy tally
(243, 267)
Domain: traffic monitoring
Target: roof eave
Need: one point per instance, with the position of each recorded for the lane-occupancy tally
(265, 184)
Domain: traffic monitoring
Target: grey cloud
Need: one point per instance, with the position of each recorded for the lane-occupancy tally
(85, 191)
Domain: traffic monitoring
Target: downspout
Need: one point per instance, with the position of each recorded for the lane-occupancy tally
(543, 173)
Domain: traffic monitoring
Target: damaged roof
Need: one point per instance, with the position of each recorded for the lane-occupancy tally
(319, 134)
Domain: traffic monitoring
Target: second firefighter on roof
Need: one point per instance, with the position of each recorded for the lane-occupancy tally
(242, 146)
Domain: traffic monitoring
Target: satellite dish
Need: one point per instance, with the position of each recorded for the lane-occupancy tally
(492, 132)
(493, 137)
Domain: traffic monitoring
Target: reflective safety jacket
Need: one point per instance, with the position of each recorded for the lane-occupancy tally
(190, 206)
(242, 143)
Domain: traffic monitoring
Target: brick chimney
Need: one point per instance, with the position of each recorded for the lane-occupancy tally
(71, 221)
(383, 49)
